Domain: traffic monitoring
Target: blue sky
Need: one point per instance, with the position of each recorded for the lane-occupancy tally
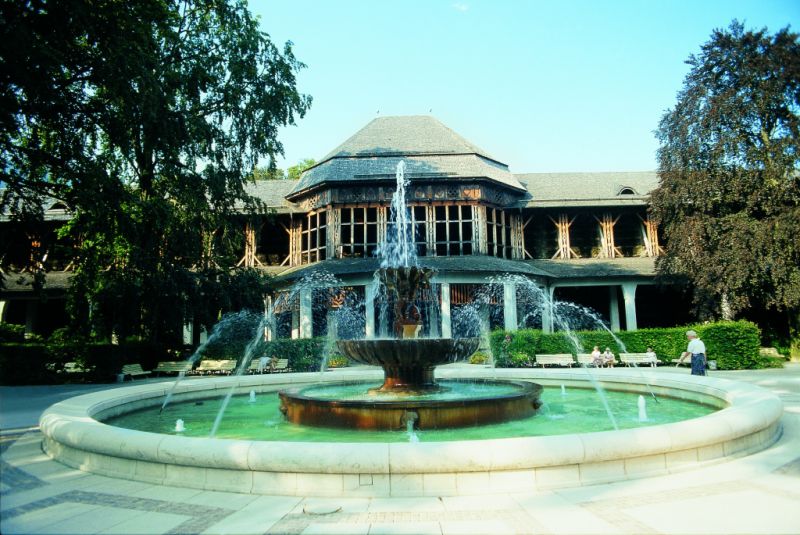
(543, 86)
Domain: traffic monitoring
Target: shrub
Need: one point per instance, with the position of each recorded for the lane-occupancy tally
(337, 361)
(304, 354)
(733, 344)
(519, 359)
(479, 358)
(10, 332)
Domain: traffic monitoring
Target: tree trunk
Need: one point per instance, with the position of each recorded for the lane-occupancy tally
(725, 309)
(794, 335)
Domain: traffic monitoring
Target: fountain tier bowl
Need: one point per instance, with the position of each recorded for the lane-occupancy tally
(408, 364)
(487, 402)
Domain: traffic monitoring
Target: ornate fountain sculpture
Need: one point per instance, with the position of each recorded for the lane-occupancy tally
(409, 396)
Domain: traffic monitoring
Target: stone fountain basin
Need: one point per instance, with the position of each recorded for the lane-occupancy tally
(749, 423)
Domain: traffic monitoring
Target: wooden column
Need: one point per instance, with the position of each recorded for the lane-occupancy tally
(479, 229)
(383, 223)
(249, 259)
(525, 252)
(608, 249)
(430, 230)
(517, 238)
(295, 243)
(333, 234)
(564, 250)
(650, 237)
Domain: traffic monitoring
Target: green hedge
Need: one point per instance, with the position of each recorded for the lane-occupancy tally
(734, 344)
(304, 354)
(40, 363)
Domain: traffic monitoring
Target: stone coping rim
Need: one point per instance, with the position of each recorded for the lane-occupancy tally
(750, 409)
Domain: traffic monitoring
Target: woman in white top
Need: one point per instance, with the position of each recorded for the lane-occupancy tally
(697, 350)
(597, 359)
(608, 358)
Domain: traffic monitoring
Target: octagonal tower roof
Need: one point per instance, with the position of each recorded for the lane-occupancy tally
(431, 150)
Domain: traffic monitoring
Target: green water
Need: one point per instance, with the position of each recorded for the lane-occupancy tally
(579, 411)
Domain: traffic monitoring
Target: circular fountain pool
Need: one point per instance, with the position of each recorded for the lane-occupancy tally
(748, 421)
(576, 410)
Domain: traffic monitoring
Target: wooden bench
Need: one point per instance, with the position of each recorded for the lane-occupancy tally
(134, 370)
(216, 366)
(636, 359)
(557, 359)
(253, 368)
(173, 366)
(686, 362)
(281, 366)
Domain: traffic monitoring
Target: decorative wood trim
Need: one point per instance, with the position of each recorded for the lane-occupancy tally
(605, 227)
(562, 227)
(249, 259)
(650, 237)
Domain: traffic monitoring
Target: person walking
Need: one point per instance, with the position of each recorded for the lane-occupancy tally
(696, 349)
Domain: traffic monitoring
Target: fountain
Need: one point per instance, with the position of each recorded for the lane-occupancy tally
(414, 433)
(408, 396)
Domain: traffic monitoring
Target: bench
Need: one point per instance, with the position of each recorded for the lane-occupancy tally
(637, 359)
(216, 366)
(173, 366)
(686, 362)
(585, 359)
(557, 359)
(134, 370)
(253, 368)
(281, 366)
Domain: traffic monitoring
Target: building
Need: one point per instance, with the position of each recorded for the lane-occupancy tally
(582, 237)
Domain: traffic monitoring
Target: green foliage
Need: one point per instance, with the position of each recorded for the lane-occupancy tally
(733, 344)
(338, 361)
(146, 118)
(10, 332)
(294, 172)
(40, 363)
(304, 354)
(729, 193)
(479, 358)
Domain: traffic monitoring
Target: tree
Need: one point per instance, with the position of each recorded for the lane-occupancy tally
(265, 173)
(294, 172)
(729, 193)
(146, 118)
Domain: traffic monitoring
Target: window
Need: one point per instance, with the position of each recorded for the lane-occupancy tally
(498, 233)
(453, 230)
(359, 231)
(313, 237)
(419, 220)
(626, 190)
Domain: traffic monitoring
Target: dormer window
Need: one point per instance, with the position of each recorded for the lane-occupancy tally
(626, 190)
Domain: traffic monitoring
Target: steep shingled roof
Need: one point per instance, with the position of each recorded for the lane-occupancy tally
(431, 150)
(566, 189)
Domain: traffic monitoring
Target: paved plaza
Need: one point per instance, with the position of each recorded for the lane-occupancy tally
(759, 493)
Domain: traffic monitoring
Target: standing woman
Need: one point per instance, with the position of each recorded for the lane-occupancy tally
(697, 350)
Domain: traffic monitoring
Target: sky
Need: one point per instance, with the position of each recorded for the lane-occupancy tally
(543, 86)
